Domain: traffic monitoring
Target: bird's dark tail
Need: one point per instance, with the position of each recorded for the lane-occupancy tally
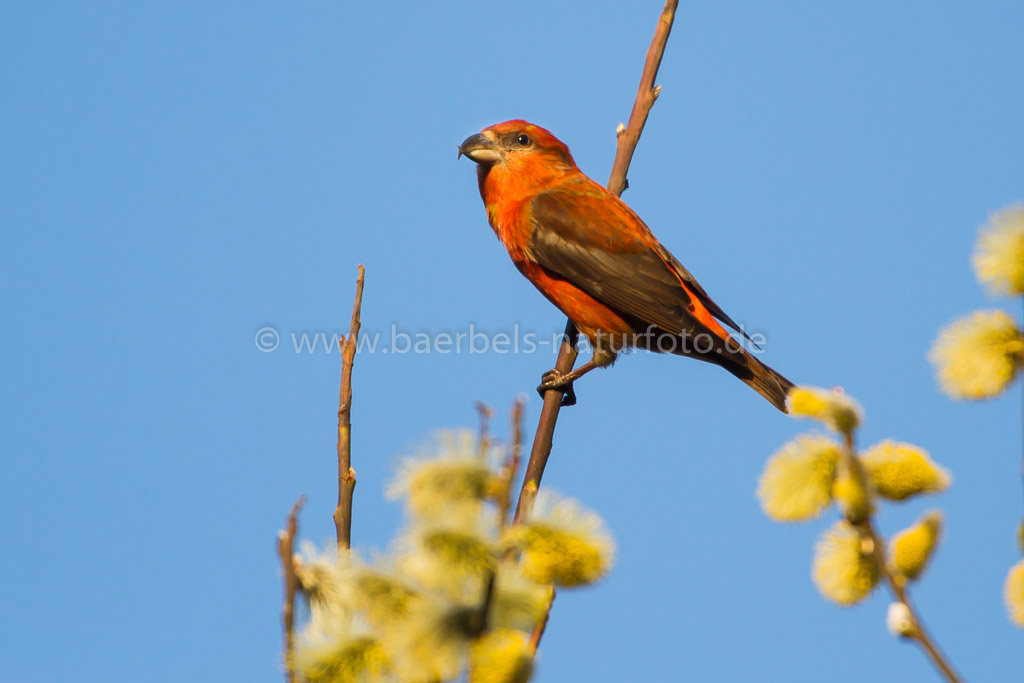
(755, 374)
(726, 352)
(764, 381)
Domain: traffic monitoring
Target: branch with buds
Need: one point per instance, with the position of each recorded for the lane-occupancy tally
(347, 475)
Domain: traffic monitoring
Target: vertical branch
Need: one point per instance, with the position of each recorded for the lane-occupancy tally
(512, 461)
(286, 551)
(899, 592)
(897, 585)
(646, 94)
(542, 440)
(347, 475)
(483, 441)
(628, 138)
(542, 625)
(503, 498)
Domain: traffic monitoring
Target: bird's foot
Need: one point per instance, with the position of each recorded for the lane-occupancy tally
(553, 379)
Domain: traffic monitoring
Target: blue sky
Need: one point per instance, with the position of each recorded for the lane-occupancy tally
(176, 177)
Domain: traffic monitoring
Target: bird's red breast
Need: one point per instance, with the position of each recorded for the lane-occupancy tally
(540, 201)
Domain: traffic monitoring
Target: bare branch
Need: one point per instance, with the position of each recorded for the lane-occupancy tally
(542, 440)
(286, 551)
(646, 94)
(511, 463)
(538, 630)
(504, 501)
(483, 442)
(628, 138)
(347, 475)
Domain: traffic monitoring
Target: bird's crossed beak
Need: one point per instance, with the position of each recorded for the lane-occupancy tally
(481, 148)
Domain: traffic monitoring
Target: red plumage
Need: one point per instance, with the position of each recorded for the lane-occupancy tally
(594, 259)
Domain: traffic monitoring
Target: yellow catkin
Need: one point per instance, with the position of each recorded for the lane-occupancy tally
(844, 570)
(1014, 593)
(833, 408)
(851, 490)
(999, 254)
(552, 555)
(449, 473)
(501, 656)
(796, 483)
(322, 579)
(518, 602)
(901, 470)
(432, 642)
(470, 552)
(978, 356)
(382, 596)
(911, 549)
(443, 557)
(340, 660)
(562, 543)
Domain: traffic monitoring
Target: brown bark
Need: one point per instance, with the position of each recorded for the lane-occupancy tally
(347, 475)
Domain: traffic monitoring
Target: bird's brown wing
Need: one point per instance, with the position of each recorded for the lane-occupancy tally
(695, 288)
(587, 237)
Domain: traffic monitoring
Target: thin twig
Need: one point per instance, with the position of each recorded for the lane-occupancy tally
(899, 591)
(542, 440)
(538, 630)
(515, 456)
(483, 441)
(511, 467)
(646, 94)
(628, 138)
(286, 551)
(503, 498)
(896, 584)
(347, 475)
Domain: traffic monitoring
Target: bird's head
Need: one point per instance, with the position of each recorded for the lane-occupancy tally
(516, 146)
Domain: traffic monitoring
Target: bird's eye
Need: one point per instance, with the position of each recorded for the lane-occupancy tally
(523, 140)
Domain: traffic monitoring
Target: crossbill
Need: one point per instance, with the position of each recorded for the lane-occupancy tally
(593, 258)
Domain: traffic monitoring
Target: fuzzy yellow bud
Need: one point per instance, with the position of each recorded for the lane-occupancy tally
(562, 543)
(910, 550)
(518, 602)
(322, 579)
(331, 657)
(978, 356)
(450, 475)
(384, 597)
(1014, 593)
(844, 567)
(501, 656)
(796, 484)
(851, 490)
(833, 408)
(901, 470)
(465, 549)
(433, 641)
(999, 254)
(445, 557)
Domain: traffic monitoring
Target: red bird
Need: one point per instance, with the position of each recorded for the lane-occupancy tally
(594, 259)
